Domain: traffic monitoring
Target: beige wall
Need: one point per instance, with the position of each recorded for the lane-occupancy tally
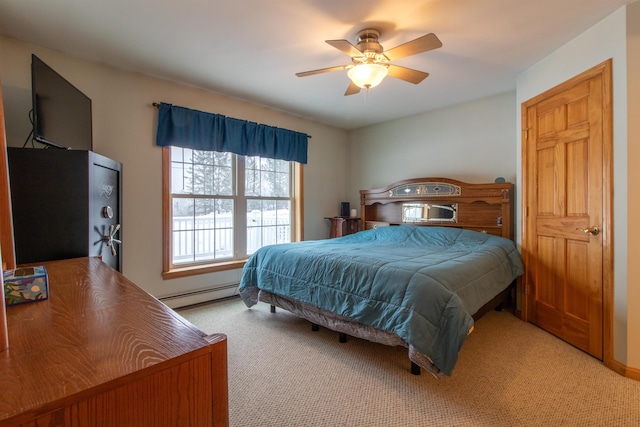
(472, 142)
(124, 125)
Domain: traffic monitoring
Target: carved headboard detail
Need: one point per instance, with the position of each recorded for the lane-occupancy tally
(487, 208)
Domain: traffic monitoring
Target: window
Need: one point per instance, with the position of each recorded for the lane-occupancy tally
(219, 208)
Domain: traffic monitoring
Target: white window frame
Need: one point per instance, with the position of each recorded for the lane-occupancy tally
(239, 258)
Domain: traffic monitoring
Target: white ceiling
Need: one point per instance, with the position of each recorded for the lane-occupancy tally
(251, 49)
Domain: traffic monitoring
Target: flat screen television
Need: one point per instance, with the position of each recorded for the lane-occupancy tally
(61, 112)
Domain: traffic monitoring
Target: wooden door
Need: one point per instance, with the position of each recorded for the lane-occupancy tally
(567, 197)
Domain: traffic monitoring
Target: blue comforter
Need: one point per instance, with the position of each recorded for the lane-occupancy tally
(421, 283)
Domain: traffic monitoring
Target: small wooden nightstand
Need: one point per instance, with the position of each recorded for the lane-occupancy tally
(342, 226)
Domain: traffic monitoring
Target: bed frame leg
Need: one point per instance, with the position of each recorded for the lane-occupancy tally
(273, 308)
(315, 327)
(342, 337)
(415, 369)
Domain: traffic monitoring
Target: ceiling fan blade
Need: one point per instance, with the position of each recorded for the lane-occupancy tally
(321, 70)
(345, 47)
(419, 45)
(407, 74)
(352, 89)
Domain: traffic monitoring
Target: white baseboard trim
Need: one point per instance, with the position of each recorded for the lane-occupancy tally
(200, 296)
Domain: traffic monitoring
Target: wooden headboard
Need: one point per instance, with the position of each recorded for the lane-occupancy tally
(487, 208)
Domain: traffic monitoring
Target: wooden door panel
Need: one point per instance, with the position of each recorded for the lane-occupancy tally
(549, 319)
(576, 295)
(563, 159)
(547, 272)
(577, 178)
(546, 177)
(564, 228)
(548, 123)
(578, 112)
(564, 137)
(577, 332)
(571, 329)
(568, 96)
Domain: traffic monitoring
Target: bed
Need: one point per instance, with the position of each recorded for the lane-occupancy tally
(434, 254)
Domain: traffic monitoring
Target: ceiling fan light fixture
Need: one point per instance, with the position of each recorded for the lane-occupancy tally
(367, 75)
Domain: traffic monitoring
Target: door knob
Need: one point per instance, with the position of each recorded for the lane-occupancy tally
(594, 230)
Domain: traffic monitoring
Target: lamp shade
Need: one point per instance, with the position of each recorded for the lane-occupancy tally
(367, 75)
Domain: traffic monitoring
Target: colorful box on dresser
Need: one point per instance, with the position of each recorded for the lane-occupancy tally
(25, 284)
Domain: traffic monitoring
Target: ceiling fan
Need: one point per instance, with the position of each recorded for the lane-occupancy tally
(371, 63)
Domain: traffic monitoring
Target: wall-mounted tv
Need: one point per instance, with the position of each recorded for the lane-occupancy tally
(61, 112)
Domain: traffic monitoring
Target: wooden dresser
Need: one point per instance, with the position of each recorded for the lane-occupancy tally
(102, 352)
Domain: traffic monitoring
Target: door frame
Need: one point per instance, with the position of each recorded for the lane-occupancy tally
(603, 69)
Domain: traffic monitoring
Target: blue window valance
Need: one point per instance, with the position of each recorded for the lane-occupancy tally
(186, 128)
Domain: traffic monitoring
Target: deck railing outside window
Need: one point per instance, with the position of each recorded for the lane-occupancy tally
(207, 238)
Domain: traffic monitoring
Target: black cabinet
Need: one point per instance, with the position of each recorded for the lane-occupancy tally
(65, 204)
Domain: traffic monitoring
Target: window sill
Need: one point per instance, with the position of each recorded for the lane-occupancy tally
(176, 273)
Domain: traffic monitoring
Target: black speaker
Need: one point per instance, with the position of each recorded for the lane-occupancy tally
(344, 209)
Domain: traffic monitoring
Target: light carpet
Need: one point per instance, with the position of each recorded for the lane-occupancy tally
(509, 373)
